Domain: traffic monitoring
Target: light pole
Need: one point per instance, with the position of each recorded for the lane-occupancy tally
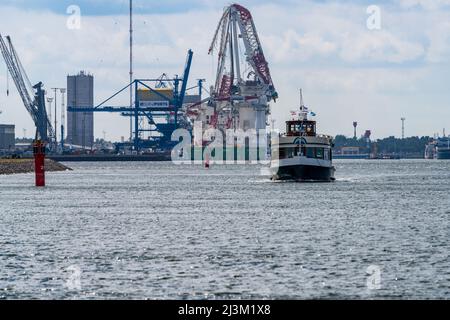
(50, 100)
(403, 127)
(56, 116)
(63, 116)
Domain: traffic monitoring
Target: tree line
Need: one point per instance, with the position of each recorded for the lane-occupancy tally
(390, 145)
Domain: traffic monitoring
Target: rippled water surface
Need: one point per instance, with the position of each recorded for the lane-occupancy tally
(155, 230)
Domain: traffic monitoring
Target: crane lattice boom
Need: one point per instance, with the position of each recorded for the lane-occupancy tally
(235, 18)
(32, 96)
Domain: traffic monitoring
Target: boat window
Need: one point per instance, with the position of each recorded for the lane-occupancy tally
(291, 128)
(290, 152)
(319, 153)
(326, 154)
(310, 153)
(310, 129)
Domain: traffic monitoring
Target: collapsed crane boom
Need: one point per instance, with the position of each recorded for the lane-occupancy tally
(32, 96)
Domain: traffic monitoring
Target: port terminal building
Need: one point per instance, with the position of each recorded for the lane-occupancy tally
(7, 137)
(80, 125)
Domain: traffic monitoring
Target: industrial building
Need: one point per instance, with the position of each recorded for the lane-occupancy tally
(80, 125)
(7, 136)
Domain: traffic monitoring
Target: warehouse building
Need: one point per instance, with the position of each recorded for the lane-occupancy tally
(7, 137)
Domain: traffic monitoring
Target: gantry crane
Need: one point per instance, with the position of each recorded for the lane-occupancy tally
(33, 97)
(169, 111)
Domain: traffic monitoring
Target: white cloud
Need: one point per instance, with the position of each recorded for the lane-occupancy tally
(439, 48)
(426, 4)
(380, 46)
(327, 31)
(291, 46)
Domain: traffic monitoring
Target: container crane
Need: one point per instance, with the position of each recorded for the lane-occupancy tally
(142, 111)
(33, 97)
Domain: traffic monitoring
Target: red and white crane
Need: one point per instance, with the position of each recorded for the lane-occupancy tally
(243, 86)
(237, 23)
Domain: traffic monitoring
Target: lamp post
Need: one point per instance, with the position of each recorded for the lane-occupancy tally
(403, 127)
(63, 116)
(50, 100)
(56, 117)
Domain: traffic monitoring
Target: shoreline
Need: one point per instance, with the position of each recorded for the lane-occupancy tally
(112, 158)
(17, 166)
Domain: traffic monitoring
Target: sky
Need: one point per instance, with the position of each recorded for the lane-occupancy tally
(350, 66)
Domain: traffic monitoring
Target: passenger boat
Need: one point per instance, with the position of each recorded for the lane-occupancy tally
(438, 148)
(443, 148)
(301, 154)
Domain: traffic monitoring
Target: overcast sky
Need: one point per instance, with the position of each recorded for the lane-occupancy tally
(348, 72)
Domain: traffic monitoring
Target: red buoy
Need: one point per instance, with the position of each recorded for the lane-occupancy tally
(39, 162)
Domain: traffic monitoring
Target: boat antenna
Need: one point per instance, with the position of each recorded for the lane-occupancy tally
(303, 108)
(301, 99)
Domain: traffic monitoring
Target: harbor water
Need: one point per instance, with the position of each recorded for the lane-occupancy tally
(160, 231)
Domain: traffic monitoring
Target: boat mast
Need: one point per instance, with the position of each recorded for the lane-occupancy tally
(303, 108)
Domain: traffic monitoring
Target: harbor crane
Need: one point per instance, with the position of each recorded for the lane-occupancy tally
(243, 86)
(163, 116)
(33, 96)
(237, 19)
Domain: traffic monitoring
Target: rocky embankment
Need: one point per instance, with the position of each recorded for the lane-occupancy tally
(14, 166)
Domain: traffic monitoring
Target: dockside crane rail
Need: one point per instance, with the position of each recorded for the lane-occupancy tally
(33, 97)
